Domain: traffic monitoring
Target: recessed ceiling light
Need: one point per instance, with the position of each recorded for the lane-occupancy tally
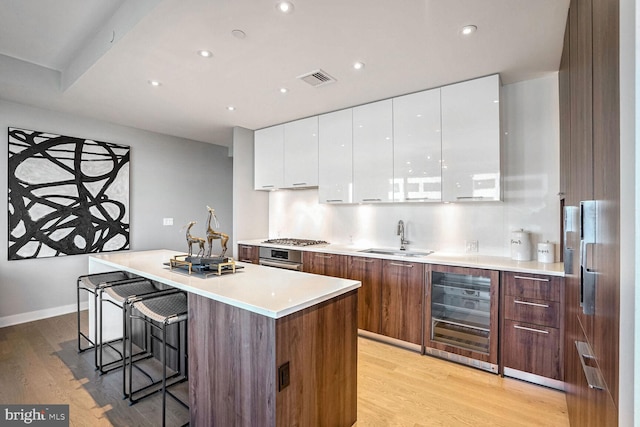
(468, 29)
(284, 6)
(239, 34)
(231, 108)
(284, 90)
(154, 83)
(205, 53)
(358, 65)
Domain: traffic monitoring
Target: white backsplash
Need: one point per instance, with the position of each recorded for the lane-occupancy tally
(531, 179)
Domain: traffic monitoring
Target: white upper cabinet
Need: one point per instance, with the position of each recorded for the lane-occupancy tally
(269, 158)
(373, 152)
(417, 147)
(335, 173)
(301, 153)
(471, 140)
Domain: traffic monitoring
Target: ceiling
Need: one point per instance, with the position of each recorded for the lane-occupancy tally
(95, 58)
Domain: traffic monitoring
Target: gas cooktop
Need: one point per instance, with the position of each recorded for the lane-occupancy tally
(295, 242)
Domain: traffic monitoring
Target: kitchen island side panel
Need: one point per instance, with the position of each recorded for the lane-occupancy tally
(234, 357)
(232, 370)
(320, 344)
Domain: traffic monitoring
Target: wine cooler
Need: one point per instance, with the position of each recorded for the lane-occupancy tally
(462, 316)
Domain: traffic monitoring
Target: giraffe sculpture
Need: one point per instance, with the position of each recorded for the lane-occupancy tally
(192, 239)
(213, 235)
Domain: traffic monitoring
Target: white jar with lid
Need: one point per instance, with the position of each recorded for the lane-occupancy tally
(520, 245)
(546, 252)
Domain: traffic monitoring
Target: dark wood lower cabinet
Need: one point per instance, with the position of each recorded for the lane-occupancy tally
(323, 263)
(237, 357)
(532, 324)
(369, 272)
(532, 348)
(249, 253)
(402, 300)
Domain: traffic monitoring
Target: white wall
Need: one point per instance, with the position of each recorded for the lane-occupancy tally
(629, 366)
(169, 177)
(250, 208)
(531, 182)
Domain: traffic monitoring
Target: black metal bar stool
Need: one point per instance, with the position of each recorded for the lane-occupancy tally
(120, 296)
(159, 313)
(91, 283)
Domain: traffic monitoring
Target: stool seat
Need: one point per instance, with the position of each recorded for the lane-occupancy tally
(167, 309)
(130, 290)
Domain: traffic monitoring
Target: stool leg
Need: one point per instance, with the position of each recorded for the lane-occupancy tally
(125, 336)
(78, 314)
(97, 339)
(130, 364)
(164, 374)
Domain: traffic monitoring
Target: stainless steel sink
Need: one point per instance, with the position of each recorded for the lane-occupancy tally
(396, 252)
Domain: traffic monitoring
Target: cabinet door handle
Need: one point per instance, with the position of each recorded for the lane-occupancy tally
(517, 301)
(299, 183)
(401, 265)
(246, 247)
(524, 328)
(371, 200)
(323, 256)
(368, 261)
(333, 200)
(473, 198)
(591, 372)
(535, 279)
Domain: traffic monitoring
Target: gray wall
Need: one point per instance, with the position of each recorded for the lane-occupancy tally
(170, 178)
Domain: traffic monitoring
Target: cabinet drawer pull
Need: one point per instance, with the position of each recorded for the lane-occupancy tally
(540, 331)
(299, 183)
(368, 261)
(268, 186)
(371, 200)
(517, 301)
(333, 200)
(535, 279)
(324, 256)
(401, 265)
(246, 247)
(591, 372)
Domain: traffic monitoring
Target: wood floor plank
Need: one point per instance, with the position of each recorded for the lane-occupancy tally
(39, 364)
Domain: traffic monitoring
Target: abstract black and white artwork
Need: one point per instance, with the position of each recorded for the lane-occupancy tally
(67, 195)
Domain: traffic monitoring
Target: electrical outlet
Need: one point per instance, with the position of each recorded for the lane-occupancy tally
(283, 376)
(167, 221)
(471, 246)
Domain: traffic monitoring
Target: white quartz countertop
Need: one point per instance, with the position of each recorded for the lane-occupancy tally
(268, 291)
(440, 258)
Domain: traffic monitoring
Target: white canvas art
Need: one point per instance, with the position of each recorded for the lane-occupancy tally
(67, 195)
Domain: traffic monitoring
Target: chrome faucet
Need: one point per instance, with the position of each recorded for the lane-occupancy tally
(403, 242)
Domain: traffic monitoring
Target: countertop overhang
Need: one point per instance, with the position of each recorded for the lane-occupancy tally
(271, 292)
(440, 258)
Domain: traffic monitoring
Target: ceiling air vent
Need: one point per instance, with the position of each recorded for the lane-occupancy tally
(317, 78)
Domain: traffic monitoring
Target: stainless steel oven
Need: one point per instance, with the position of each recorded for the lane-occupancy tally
(289, 259)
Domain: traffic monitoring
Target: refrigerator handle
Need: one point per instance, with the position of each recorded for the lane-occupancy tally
(587, 240)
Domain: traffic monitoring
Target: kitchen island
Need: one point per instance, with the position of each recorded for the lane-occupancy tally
(267, 347)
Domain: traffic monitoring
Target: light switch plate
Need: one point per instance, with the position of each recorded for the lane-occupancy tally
(167, 221)
(471, 246)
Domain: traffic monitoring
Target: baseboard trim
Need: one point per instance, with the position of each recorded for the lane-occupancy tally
(31, 316)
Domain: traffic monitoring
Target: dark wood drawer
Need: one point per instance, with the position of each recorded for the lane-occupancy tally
(532, 348)
(538, 312)
(533, 286)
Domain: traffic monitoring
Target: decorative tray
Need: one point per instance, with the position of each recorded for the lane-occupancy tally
(206, 266)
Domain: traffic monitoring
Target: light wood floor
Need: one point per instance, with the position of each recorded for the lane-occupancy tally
(396, 387)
